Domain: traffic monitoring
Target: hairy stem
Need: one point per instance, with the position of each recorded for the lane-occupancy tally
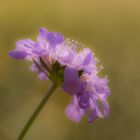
(36, 112)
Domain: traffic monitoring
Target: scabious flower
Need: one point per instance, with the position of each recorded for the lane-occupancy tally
(73, 68)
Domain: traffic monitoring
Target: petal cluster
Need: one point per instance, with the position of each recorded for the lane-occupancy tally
(73, 68)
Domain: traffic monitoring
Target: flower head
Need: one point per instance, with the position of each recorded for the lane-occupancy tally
(59, 60)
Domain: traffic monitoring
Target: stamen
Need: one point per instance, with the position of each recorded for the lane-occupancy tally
(99, 68)
(73, 45)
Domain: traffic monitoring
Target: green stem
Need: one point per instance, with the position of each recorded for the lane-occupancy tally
(36, 112)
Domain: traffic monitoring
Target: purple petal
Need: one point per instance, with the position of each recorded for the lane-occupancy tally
(25, 44)
(41, 38)
(64, 54)
(71, 82)
(95, 110)
(17, 54)
(39, 51)
(73, 111)
(43, 32)
(105, 107)
(93, 116)
(99, 88)
(42, 76)
(33, 68)
(83, 99)
(54, 38)
(87, 59)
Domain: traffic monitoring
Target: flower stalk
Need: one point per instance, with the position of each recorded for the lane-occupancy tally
(36, 112)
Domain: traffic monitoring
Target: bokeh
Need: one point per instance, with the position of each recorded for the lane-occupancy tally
(111, 28)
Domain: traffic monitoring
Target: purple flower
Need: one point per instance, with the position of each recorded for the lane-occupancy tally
(59, 60)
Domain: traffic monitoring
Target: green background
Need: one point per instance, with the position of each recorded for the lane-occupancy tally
(111, 28)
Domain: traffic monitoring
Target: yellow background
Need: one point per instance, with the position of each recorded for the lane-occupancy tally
(111, 28)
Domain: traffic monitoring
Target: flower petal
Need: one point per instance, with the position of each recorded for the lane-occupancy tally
(87, 59)
(25, 44)
(54, 38)
(42, 76)
(16, 54)
(93, 116)
(105, 107)
(42, 37)
(83, 99)
(71, 82)
(73, 111)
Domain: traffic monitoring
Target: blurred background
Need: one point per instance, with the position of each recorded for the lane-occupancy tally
(111, 28)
